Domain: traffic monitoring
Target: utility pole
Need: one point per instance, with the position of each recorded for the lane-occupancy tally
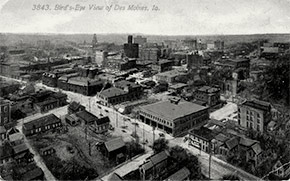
(143, 137)
(153, 134)
(209, 160)
(90, 151)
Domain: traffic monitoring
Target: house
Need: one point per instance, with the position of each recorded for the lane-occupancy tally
(102, 124)
(282, 169)
(42, 124)
(254, 114)
(155, 166)
(112, 148)
(250, 150)
(46, 151)
(171, 76)
(75, 107)
(219, 144)
(6, 154)
(182, 174)
(22, 154)
(34, 174)
(201, 138)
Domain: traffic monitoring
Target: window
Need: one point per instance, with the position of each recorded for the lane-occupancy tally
(6, 120)
(239, 110)
(258, 115)
(258, 120)
(247, 112)
(6, 109)
(247, 124)
(258, 127)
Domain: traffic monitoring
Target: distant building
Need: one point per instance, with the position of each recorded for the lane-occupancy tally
(254, 115)
(173, 116)
(42, 124)
(170, 76)
(94, 41)
(140, 40)
(81, 85)
(118, 62)
(219, 45)
(208, 96)
(194, 60)
(131, 49)
(151, 54)
(5, 112)
(43, 101)
(191, 44)
(122, 92)
(162, 65)
(50, 78)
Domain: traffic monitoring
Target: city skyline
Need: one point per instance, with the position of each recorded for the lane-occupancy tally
(184, 18)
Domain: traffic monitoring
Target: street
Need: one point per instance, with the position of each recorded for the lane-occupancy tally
(126, 126)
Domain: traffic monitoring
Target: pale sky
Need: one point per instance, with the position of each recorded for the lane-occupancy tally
(175, 17)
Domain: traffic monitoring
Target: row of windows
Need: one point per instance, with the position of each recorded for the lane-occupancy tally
(47, 127)
(157, 118)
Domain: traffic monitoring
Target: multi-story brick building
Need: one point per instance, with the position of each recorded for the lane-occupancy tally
(209, 96)
(173, 116)
(254, 115)
(162, 65)
(170, 76)
(131, 49)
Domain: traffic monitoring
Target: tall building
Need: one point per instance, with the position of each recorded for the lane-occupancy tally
(131, 49)
(94, 41)
(140, 40)
(5, 112)
(254, 115)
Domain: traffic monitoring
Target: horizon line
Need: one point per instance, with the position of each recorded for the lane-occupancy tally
(145, 34)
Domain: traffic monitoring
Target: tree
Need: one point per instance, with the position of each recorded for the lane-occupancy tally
(188, 160)
(160, 145)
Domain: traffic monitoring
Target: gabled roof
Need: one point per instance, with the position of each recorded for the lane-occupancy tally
(75, 105)
(159, 157)
(87, 116)
(112, 92)
(115, 177)
(32, 174)
(20, 148)
(247, 142)
(114, 144)
(258, 104)
(233, 142)
(257, 148)
(221, 137)
(45, 120)
(181, 174)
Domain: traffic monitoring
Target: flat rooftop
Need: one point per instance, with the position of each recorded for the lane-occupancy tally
(170, 110)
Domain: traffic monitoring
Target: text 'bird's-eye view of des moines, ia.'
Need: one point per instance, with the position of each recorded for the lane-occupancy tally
(173, 90)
